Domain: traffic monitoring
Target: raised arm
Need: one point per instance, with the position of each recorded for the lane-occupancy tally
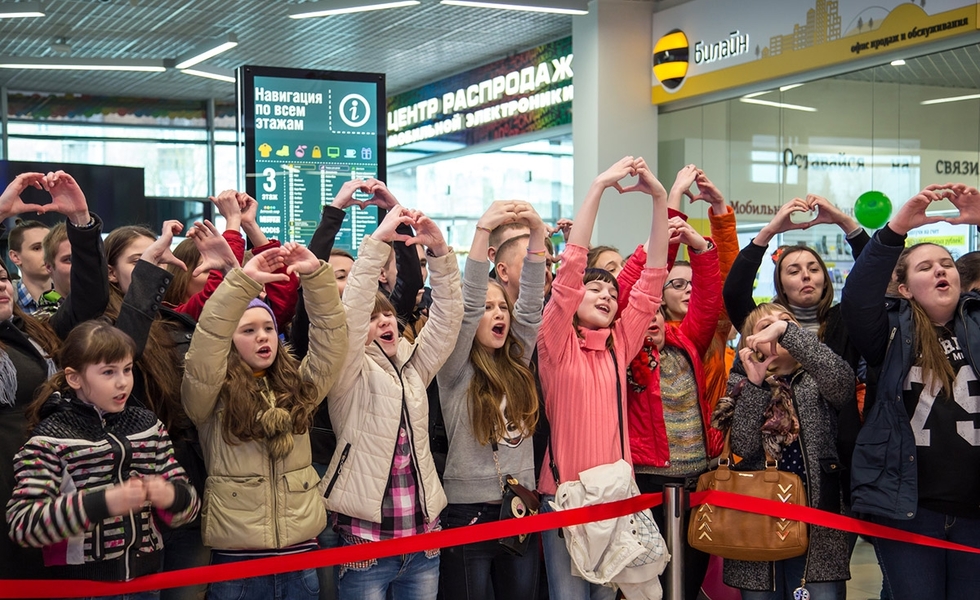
(228, 207)
(408, 281)
(737, 290)
(321, 244)
(725, 237)
(435, 342)
(705, 307)
(90, 272)
(530, 301)
(647, 294)
(217, 259)
(862, 307)
(150, 281)
(328, 321)
(359, 297)
(207, 358)
(475, 281)
(567, 290)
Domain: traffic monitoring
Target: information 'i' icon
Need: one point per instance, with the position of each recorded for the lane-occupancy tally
(354, 110)
(670, 59)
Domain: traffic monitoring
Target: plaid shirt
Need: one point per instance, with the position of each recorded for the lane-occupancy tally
(401, 513)
(24, 298)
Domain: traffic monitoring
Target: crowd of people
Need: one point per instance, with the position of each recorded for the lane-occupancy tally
(164, 407)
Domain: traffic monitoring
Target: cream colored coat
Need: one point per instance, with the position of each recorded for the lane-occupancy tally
(250, 500)
(367, 402)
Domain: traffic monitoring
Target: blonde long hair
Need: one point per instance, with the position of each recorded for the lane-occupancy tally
(497, 373)
(931, 356)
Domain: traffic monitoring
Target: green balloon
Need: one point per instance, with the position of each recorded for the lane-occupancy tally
(872, 209)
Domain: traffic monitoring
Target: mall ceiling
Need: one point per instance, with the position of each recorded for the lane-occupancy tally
(957, 68)
(412, 45)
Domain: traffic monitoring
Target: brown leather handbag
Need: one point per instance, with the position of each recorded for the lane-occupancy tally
(738, 535)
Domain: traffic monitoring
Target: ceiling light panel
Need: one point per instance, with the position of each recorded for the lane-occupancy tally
(560, 7)
(80, 64)
(20, 10)
(326, 8)
(207, 50)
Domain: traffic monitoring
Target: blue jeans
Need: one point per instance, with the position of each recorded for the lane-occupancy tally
(923, 573)
(283, 586)
(486, 570)
(154, 595)
(562, 585)
(406, 577)
(789, 573)
(328, 538)
(183, 549)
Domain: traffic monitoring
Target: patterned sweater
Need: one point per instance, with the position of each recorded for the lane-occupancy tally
(61, 476)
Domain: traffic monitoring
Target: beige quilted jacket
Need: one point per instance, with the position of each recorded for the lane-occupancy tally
(367, 401)
(250, 500)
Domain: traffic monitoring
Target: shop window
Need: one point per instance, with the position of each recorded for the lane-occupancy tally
(881, 129)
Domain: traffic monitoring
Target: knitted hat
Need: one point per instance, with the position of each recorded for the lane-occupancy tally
(257, 303)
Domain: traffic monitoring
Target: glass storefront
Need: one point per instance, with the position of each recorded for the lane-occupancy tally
(892, 129)
(456, 191)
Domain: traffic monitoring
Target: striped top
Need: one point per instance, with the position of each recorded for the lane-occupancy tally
(61, 476)
(682, 416)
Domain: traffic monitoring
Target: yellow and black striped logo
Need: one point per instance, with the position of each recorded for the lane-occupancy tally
(670, 59)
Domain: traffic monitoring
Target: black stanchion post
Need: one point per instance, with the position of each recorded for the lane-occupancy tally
(674, 500)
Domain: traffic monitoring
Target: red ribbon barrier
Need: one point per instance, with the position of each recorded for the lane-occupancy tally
(822, 518)
(26, 588)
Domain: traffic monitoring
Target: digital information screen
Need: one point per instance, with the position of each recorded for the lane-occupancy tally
(306, 133)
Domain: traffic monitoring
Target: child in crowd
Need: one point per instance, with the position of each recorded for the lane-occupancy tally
(583, 353)
(27, 344)
(805, 287)
(97, 475)
(382, 481)
(490, 404)
(252, 404)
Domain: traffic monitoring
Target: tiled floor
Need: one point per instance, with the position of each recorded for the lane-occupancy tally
(865, 580)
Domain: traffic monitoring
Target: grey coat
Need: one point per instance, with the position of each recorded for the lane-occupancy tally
(820, 388)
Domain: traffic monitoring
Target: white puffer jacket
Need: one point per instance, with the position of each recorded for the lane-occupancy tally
(367, 401)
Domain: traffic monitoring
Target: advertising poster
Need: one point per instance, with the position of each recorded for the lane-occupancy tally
(527, 92)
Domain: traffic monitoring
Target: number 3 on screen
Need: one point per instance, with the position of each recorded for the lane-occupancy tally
(270, 179)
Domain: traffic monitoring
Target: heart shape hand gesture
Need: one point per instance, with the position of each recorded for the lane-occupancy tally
(378, 194)
(427, 233)
(66, 197)
(646, 181)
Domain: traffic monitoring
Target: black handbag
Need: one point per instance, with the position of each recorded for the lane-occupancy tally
(516, 502)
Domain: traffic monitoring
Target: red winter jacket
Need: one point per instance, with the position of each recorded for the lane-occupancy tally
(645, 417)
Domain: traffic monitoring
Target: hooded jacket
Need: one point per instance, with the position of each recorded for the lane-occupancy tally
(252, 501)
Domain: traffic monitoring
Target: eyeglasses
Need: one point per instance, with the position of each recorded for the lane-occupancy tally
(678, 284)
